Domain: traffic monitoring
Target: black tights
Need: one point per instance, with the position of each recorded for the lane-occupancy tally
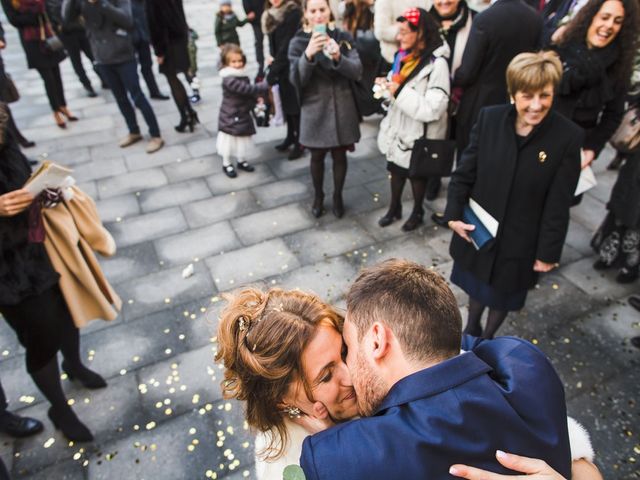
(339, 156)
(179, 94)
(494, 320)
(47, 380)
(418, 188)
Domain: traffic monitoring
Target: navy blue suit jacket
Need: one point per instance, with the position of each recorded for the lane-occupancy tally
(504, 394)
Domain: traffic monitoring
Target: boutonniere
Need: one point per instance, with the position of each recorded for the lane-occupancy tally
(542, 156)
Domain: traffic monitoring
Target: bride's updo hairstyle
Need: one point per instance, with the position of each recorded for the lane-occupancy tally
(261, 337)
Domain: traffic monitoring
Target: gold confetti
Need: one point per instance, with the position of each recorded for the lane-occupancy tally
(150, 425)
(49, 442)
(77, 456)
(71, 401)
(192, 431)
(167, 300)
(123, 371)
(191, 448)
(27, 399)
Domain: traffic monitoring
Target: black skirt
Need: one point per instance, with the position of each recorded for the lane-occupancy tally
(176, 59)
(487, 294)
(40, 322)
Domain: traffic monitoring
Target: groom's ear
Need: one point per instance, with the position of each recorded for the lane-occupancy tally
(320, 411)
(379, 341)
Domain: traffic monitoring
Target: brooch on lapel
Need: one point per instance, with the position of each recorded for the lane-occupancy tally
(542, 156)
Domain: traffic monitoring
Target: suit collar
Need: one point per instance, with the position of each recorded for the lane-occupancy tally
(434, 380)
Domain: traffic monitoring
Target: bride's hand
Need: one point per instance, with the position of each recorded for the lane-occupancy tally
(316, 420)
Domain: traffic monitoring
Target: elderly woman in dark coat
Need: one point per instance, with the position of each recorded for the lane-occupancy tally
(323, 62)
(30, 299)
(280, 23)
(522, 167)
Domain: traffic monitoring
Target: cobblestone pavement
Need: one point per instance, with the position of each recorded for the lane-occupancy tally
(162, 415)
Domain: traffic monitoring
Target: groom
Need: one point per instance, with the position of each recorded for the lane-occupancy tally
(428, 406)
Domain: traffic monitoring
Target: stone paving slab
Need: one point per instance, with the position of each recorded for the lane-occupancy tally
(266, 224)
(131, 182)
(250, 264)
(197, 244)
(221, 207)
(116, 208)
(174, 195)
(148, 227)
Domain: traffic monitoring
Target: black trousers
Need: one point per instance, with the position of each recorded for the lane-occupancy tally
(76, 43)
(143, 51)
(53, 86)
(3, 400)
(259, 44)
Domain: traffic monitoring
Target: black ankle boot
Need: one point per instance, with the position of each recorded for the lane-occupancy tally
(391, 215)
(628, 275)
(317, 208)
(86, 377)
(338, 205)
(414, 221)
(66, 420)
(296, 152)
(286, 143)
(184, 123)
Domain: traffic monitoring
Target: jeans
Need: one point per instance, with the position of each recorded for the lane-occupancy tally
(75, 43)
(143, 50)
(123, 80)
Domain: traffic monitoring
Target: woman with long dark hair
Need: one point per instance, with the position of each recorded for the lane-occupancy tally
(597, 51)
(419, 90)
(31, 20)
(323, 63)
(169, 37)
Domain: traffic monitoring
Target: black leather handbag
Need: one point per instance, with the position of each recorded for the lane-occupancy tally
(431, 158)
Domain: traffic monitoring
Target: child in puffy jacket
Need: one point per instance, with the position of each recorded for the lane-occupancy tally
(226, 23)
(235, 123)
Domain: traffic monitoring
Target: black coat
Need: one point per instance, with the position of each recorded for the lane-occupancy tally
(37, 57)
(25, 269)
(498, 34)
(625, 195)
(169, 34)
(279, 38)
(238, 99)
(588, 94)
(255, 6)
(109, 25)
(528, 189)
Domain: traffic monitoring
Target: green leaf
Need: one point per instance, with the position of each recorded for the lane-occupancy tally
(293, 472)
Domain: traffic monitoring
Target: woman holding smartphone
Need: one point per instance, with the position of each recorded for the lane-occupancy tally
(323, 62)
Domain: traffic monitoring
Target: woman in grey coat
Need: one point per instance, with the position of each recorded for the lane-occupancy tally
(323, 63)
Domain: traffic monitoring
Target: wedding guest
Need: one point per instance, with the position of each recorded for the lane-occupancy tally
(170, 37)
(419, 87)
(280, 22)
(226, 24)
(617, 241)
(522, 167)
(13, 128)
(254, 10)
(235, 123)
(493, 42)
(323, 63)
(109, 24)
(142, 45)
(75, 42)
(385, 23)
(30, 299)
(29, 17)
(597, 50)
(358, 21)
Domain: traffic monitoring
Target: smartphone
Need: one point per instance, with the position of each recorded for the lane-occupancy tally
(320, 28)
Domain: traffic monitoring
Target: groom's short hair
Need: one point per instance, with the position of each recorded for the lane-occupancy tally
(414, 302)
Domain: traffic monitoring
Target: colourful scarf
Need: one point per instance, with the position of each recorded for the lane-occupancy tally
(404, 63)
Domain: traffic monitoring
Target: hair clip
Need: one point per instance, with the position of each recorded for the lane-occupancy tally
(243, 324)
(293, 412)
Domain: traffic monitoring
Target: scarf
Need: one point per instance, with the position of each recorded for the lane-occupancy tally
(459, 20)
(404, 63)
(274, 16)
(587, 74)
(34, 33)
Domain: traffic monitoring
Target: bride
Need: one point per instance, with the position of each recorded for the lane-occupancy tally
(283, 356)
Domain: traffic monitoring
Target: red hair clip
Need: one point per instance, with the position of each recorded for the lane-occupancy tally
(412, 16)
